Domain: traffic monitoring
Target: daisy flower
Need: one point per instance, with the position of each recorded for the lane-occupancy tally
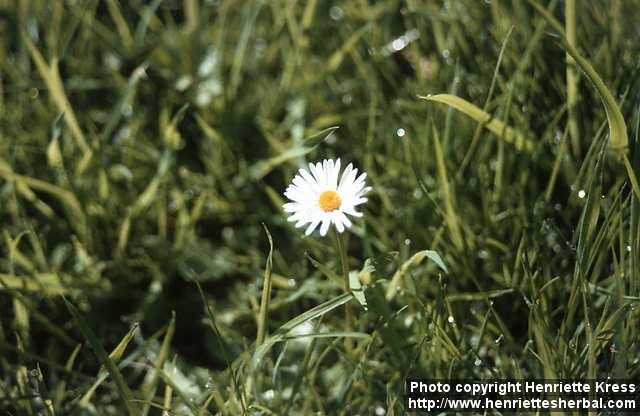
(317, 198)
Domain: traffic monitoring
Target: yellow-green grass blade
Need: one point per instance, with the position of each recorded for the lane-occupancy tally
(497, 127)
(415, 260)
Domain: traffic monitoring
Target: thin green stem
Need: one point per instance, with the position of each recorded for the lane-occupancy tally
(266, 293)
(342, 250)
(343, 260)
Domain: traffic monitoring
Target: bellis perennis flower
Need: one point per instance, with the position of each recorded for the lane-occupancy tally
(319, 199)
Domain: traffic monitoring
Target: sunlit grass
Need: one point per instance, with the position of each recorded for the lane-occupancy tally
(145, 148)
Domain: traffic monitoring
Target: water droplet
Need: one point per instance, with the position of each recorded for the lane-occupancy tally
(478, 362)
(557, 136)
(380, 411)
(446, 54)
(400, 132)
(581, 194)
(183, 82)
(336, 13)
(499, 339)
(398, 44)
(451, 320)
(629, 249)
(407, 241)
(269, 394)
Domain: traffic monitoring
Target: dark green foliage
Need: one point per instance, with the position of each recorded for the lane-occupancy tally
(143, 145)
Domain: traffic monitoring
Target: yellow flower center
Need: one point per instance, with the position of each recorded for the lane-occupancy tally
(329, 200)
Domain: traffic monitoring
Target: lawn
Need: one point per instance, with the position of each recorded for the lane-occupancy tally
(148, 264)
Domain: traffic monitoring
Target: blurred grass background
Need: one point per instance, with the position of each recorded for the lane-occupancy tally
(143, 145)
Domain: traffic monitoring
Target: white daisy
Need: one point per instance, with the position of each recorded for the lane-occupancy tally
(317, 197)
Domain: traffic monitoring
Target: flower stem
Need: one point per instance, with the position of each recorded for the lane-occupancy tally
(342, 249)
(343, 260)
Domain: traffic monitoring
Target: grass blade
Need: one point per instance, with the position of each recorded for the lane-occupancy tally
(497, 127)
(99, 351)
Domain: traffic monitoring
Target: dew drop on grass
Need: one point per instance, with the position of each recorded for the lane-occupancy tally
(380, 411)
(451, 320)
(127, 110)
(629, 249)
(269, 394)
(499, 339)
(408, 242)
(336, 13)
(581, 194)
(557, 137)
(183, 82)
(112, 62)
(208, 64)
(228, 233)
(400, 132)
(478, 362)
(399, 44)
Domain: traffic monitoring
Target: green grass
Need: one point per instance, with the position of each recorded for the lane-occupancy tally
(145, 147)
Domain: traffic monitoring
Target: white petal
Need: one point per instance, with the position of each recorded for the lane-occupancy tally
(312, 227)
(312, 183)
(291, 207)
(326, 222)
(350, 210)
(337, 221)
(347, 179)
(359, 201)
(334, 175)
(326, 169)
(318, 174)
(344, 219)
(345, 174)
